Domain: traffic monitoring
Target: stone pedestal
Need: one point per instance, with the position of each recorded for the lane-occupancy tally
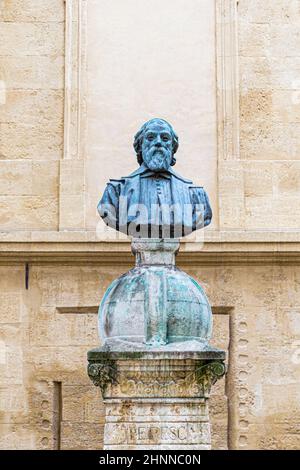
(155, 399)
(155, 367)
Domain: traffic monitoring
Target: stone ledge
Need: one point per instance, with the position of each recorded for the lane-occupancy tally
(207, 354)
(81, 236)
(219, 248)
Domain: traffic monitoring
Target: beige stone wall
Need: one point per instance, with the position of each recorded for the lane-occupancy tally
(266, 178)
(31, 112)
(129, 82)
(45, 340)
(48, 184)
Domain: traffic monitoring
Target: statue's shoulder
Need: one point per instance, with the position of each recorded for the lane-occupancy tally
(197, 192)
(115, 180)
(196, 189)
(114, 184)
(179, 177)
(136, 172)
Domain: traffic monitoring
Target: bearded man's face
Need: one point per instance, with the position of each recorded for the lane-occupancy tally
(157, 147)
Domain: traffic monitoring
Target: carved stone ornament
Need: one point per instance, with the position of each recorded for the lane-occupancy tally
(102, 374)
(208, 374)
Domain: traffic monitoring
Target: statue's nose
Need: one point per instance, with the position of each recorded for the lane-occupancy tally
(158, 141)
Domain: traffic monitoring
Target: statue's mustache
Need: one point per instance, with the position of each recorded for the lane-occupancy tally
(154, 149)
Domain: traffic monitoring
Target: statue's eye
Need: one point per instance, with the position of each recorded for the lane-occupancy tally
(150, 136)
(166, 138)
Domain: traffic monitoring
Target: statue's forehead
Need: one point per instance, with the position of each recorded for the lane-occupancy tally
(158, 126)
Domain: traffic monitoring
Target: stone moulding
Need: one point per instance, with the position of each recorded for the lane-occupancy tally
(227, 79)
(149, 374)
(75, 79)
(235, 249)
(206, 375)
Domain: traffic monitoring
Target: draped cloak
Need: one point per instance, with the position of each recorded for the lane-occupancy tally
(150, 204)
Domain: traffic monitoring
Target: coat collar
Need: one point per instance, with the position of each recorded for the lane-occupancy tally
(143, 169)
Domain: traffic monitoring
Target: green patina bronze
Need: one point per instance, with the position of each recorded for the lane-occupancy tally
(154, 201)
(155, 304)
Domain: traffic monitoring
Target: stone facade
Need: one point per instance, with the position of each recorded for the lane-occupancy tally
(57, 123)
(31, 113)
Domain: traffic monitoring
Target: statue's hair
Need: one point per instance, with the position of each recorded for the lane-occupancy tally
(139, 136)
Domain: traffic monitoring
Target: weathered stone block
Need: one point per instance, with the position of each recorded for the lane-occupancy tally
(258, 179)
(254, 39)
(20, 178)
(72, 177)
(232, 212)
(287, 178)
(231, 180)
(64, 328)
(82, 405)
(29, 212)
(11, 364)
(29, 11)
(270, 11)
(256, 105)
(255, 73)
(284, 40)
(32, 72)
(32, 106)
(270, 141)
(29, 141)
(285, 72)
(31, 39)
(11, 307)
(76, 436)
(72, 211)
(17, 437)
(13, 405)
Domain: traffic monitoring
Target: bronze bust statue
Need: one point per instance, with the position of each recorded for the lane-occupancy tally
(154, 201)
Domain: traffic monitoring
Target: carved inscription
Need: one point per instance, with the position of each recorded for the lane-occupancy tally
(154, 433)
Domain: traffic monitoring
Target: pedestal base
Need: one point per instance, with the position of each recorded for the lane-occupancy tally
(156, 399)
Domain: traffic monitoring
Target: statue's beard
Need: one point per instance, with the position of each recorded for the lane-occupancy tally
(157, 159)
